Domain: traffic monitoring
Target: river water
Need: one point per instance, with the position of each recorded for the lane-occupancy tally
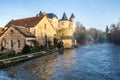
(90, 62)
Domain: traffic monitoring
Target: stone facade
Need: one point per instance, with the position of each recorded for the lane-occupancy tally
(68, 43)
(68, 27)
(44, 29)
(39, 26)
(40, 29)
(14, 39)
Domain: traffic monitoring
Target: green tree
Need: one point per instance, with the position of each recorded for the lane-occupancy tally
(26, 49)
(80, 37)
(113, 36)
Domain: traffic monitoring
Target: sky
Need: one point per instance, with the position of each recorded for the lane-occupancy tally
(91, 13)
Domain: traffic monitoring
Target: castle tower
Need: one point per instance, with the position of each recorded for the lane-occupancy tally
(64, 16)
(40, 13)
(64, 22)
(72, 22)
(72, 18)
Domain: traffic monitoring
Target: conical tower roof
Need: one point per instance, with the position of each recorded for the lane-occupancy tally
(64, 16)
(40, 14)
(72, 16)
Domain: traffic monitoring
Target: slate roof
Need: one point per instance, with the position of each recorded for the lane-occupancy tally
(72, 16)
(51, 15)
(40, 14)
(26, 22)
(64, 16)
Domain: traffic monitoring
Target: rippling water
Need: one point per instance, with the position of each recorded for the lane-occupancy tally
(91, 62)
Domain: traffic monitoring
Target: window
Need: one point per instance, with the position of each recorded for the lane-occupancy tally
(4, 42)
(45, 40)
(18, 34)
(34, 32)
(45, 26)
(62, 23)
(12, 45)
(18, 43)
(11, 31)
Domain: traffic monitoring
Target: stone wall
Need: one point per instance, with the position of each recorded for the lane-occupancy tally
(41, 31)
(63, 24)
(68, 43)
(10, 39)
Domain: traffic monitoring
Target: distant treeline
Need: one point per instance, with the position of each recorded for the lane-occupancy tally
(92, 35)
(113, 33)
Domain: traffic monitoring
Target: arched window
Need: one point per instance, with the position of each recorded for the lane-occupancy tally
(19, 44)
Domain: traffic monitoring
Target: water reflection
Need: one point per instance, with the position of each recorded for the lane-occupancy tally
(3, 76)
(36, 69)
(91, 62)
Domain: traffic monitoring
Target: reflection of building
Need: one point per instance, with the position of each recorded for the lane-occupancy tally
(43, 27)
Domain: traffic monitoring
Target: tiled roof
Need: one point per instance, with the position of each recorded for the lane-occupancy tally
(1, 28)
(26, 22)
(24, 31)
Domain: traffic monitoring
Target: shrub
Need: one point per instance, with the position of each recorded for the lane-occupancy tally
(26, 49)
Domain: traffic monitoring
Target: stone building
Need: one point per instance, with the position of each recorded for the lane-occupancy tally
(37, 30)
(52, 18)
(15, 37)
(1, 30)
(39, 26)
(68, 28)
(67, 24)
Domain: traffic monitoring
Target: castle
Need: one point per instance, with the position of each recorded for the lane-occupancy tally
(37, 30)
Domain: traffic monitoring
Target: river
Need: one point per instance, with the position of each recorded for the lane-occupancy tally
(90, 62)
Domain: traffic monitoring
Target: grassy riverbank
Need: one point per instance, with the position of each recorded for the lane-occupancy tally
(23, 57)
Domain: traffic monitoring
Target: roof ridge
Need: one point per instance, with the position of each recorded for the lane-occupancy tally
(26, 22)
(26, 18)
(17, 26)
(22, 32)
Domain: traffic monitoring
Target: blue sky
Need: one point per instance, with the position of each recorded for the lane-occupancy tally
(91, 13)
